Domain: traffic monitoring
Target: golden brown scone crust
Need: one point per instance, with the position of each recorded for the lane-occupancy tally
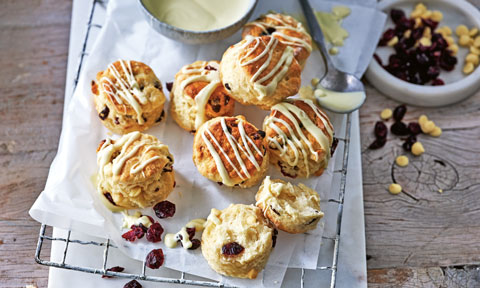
(183, 105)
(240, 64)
(206, 161)
(283, 155)
(119, 114)
(245, 225)
(291, 208)
(136, 171)
(279, 25)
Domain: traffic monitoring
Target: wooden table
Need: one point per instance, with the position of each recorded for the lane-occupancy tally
(418, 238)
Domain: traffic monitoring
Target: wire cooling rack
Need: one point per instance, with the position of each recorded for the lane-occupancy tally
(102, 270)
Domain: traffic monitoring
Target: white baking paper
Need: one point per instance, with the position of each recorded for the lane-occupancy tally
(69, 197)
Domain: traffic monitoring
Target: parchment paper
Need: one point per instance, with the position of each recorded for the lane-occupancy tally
(69, 197)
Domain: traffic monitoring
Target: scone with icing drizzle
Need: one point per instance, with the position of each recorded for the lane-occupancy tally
(134, 171)
(198, 95)
(291, 208)
(237, 241)
(286, 29)
(231, 151)
(299, 137)
(260, 71)
(128, 97)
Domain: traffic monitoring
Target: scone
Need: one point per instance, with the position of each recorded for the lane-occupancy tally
(135, 171)
(198, 95)
(260, 71)
(128, 97)
(231, 151)
(237, 241)
(286, 29)
(293, 209)
(299, 137)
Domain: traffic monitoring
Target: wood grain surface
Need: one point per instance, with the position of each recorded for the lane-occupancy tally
(420, 238)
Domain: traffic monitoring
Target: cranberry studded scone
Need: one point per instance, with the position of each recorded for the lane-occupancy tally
(260, 71)
(286, 29)
(231, 151)
(300, 138)
(198, 95)
(237, 241)
(128, 97)
(135, 171)
(293, 209)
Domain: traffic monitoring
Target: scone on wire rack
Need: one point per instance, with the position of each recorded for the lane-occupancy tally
(300, 138)
(231, 151)
(237, 241)
(286, 29)
(128, 97)
(291, 208)
(260, 71)
(134, 171)
(198, 95)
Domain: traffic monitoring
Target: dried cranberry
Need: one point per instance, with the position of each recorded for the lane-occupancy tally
(407, 145)
(261, 133)
(414, 128)
(169, 86)
(227, 86)
(399, 112)
(447, 61)
(285, 173)
(334, 146)
(271, 30)
(133, 284)
(195, 244)
(387, 36)
(191, 232)
(136, 232)
(438, 82)
(109, 198)
(154, 232)
(433, 72)
(378, 59)
(417, 33)
(274, 238)
(430, 23)
(210, 68)
(380, 130)
(164, 209)
(104, 113)
(399, 128)
(113, 269)
(155, 259)
(232, 249)
(378, 143)
(397, 15)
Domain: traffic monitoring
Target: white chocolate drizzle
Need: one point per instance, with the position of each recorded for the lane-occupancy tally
(182, 235)
(295, 134)
(237, 148)
(108, 148)
(125, 88)
(278, 71)
(287, 39)
(201, 99)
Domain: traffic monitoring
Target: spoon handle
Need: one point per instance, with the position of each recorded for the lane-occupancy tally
(316, 32)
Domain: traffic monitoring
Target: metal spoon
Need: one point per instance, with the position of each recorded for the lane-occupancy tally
(333, 79)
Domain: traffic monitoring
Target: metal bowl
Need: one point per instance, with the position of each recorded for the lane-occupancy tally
(195, 37)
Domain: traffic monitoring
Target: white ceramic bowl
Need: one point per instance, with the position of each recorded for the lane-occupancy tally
(196, 37)
(457, 86)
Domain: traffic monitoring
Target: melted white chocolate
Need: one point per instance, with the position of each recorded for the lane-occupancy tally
(125, 88)
(136, 219)
(201, 99)
(339, 101)
(171, 239)
(238, 150)
(294, 140)
(278, 71)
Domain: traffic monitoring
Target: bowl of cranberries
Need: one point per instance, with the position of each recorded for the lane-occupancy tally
(420, 59)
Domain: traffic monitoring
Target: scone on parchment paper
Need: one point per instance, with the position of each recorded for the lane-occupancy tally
(286, 29)
(198, 95)
(300, 138)
(260, 71)
(291, 208)
(134, 171)
(128, 97)
(231, 151)
(237, 241)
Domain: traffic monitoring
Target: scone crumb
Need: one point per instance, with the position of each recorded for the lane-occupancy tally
(386, 114)
(395, 188)
(252, 274)
(417, 149)
(402, 160)
(306, 92)
(30, 286)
